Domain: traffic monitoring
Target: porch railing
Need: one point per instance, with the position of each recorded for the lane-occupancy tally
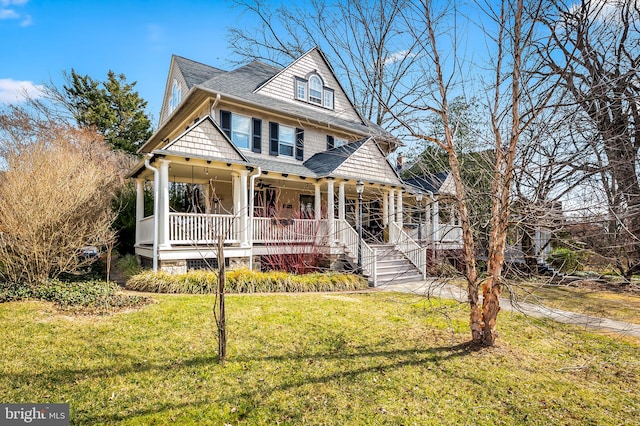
(407, 246)
(197, 228)
(349, 237)
(450, 233)
(146, 230)
(280, 230)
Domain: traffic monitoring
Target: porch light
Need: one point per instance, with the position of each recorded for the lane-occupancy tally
(360, 187)
(419, 197)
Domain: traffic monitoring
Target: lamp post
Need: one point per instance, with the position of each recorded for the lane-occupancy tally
(360, 190)
(419, 196)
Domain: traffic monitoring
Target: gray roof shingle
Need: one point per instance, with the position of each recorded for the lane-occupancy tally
(242, 83)
(324, 163)
(195, 72)
(428, 182)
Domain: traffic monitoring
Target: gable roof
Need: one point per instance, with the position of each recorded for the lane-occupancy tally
(362, 159)
(324, 163)
(240, 85)
(431, 182)
(205, 138)
(323, 58)
(195, 72)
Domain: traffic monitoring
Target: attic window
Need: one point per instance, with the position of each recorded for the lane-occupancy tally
(176, 94)
(315, 90)
(312, 90)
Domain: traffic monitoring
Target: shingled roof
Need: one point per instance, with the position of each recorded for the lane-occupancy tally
(195, 72)
(324, 163)
(431, 182)
(242, 83)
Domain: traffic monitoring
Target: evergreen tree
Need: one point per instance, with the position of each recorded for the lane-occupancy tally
(113, 107)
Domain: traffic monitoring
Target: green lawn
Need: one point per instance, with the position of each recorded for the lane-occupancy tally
(378, 358)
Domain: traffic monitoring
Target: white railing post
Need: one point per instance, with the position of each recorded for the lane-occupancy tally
(139, 209)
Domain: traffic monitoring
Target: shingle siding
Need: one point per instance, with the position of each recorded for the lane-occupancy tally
(205, 140)
(368, 164)
(283, 85)
(174, 74)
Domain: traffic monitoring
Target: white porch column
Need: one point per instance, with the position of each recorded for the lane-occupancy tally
(317, 203)
(434, 222)
(330, 213)
(428, 235)
(163, 205)
(139, 207)
(399, 209)
(207, 198)
(385, 209)
(239, 184)
(341, 209)
(392, 205)
(244, 209)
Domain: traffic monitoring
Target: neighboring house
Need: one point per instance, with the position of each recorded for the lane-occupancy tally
(271, 157)
(439, 225)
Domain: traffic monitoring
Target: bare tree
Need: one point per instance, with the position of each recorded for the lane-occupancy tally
(593, 50)
(510, 29)
(365, 42)
(55, 194)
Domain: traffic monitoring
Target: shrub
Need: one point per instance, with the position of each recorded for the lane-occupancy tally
(245, 281)
(96, 297)
(128, 266)
(566, 260)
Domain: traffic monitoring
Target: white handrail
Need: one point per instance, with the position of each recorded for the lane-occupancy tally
(412, 250)
(349, 237)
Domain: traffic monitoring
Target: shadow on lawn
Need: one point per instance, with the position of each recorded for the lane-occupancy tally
(248, 399)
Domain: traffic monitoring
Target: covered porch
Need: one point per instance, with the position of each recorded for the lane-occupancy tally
(198, 199)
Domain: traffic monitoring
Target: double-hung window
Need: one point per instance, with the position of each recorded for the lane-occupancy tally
(315, 90)
(241, 130)
(301, 89)
(245, 132)
(287, 140)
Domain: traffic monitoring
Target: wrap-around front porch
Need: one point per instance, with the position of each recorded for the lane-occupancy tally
(254, 211)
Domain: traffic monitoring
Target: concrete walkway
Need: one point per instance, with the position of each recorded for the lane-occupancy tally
(438, 288)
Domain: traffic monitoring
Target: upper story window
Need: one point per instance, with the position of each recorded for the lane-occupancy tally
(339, 142)
(313, 90)
(176, 94)
(301, 89)
(241, 130)
(328, 98)
(287, 140)
(245, 132)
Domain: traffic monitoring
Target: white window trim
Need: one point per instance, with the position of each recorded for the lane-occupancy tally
(249, 130)
(176, 95)
(305, 84)
(281, 142)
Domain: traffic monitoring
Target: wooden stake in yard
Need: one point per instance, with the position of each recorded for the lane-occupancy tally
(222, 329)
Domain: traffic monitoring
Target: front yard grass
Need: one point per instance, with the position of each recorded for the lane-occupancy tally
(374, 358)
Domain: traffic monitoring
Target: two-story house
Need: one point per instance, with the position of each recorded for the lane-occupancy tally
(273, 160)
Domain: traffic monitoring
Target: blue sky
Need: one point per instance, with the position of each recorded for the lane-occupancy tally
(41, 38)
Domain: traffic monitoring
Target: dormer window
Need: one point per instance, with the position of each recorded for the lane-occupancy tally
(312, 90)
(176, 94)
(315, 90)
(301, 89)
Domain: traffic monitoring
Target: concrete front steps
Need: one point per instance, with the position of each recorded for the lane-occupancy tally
(393, 267)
